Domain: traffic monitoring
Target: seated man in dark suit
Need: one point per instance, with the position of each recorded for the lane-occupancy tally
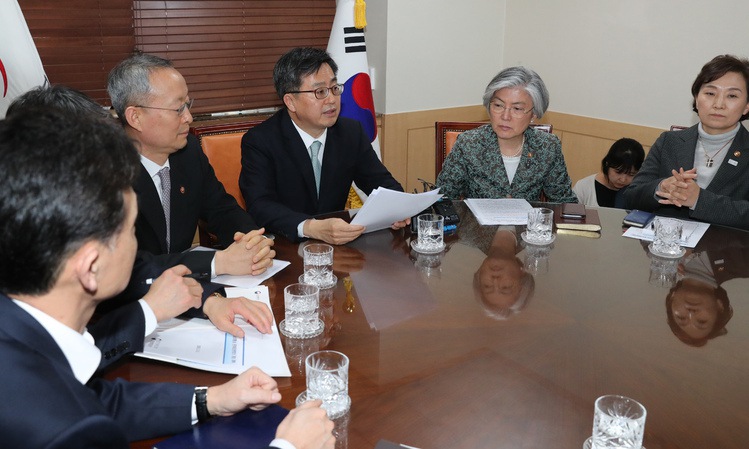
(300, 163)
(67, 236)
(177, 187)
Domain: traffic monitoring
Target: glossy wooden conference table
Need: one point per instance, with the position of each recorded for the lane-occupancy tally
(430, 369)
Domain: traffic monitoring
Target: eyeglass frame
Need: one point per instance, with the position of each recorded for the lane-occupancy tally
(327, 90)
(515, 111)
(180, 110)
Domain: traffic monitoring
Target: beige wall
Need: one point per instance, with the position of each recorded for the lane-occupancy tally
(408, 141)
(630, 62)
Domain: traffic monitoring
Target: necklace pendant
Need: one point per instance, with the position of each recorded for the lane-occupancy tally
(709, 162)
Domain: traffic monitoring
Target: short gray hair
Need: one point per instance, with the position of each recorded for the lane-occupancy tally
(520, 77)
(128, 83)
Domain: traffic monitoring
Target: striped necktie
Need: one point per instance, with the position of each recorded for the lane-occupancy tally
(166, 191)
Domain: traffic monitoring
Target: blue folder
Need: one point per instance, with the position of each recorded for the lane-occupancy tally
(246, 430)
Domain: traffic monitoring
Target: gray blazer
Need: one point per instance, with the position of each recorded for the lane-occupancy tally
(725, 201)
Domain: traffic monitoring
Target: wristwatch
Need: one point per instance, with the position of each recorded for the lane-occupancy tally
(201, 404)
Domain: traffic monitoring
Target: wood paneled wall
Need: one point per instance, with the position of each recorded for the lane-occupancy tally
(408, 140)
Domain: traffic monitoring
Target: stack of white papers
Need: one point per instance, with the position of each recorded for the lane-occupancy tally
(196, 343)
(384, 207)
(504, 211)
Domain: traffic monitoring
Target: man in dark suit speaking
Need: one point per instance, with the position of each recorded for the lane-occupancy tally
(67, 237)
(300, 163)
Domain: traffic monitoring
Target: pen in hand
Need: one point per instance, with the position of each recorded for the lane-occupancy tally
(196, 276)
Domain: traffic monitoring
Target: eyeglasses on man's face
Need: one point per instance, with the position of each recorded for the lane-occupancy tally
(180, 110)
(515, 111)
(321, 92)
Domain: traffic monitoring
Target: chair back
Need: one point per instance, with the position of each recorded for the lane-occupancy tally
(448, 132)
(222, 144)
(678, 127)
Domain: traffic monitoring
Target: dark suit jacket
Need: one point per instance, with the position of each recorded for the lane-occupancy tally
(725, 201)
(196, 194)
(119, 332)
(44, 405)
(277, 181)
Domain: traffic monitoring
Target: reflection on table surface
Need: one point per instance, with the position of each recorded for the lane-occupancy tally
(494, 344)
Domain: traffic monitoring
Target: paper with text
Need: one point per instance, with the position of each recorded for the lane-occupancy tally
(196, 343)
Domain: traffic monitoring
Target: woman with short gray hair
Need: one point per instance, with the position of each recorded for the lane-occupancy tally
(507, 158)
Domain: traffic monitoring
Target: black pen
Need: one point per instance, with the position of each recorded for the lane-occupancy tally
(196, 276)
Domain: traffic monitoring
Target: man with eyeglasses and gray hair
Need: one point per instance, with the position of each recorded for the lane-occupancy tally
(177, 186)
(300, 163)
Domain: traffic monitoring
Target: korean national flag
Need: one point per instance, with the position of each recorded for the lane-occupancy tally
(349, 50)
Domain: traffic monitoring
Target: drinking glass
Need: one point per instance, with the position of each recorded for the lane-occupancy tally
(618, 423)
(327, 380)
(318, 266)
(667, 241)
(538, 231)
(302, 318)
(430, 237)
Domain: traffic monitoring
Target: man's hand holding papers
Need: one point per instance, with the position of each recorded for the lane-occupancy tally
(386, 208)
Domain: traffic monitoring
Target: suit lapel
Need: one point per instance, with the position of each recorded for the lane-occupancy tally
(734, 163)
(684, 150)
(331, 161)
(299, 156)
(149, 205)
(179, 195)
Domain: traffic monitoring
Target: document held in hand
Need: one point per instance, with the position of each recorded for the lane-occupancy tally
(196, 343)
(384, 207)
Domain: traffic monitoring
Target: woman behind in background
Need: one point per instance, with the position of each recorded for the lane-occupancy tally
(618, 167)
(507, 158)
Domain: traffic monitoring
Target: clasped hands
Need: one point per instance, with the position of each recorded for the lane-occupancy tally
(680, 189)
(251, 253)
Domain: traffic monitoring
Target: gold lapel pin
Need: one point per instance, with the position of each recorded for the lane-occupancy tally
(182, 190)
(737, 153)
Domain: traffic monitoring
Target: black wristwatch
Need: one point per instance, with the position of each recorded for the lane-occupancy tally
(201, 403)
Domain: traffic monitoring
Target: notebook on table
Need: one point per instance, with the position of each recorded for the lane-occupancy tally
(248, 429)
(587, 220)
